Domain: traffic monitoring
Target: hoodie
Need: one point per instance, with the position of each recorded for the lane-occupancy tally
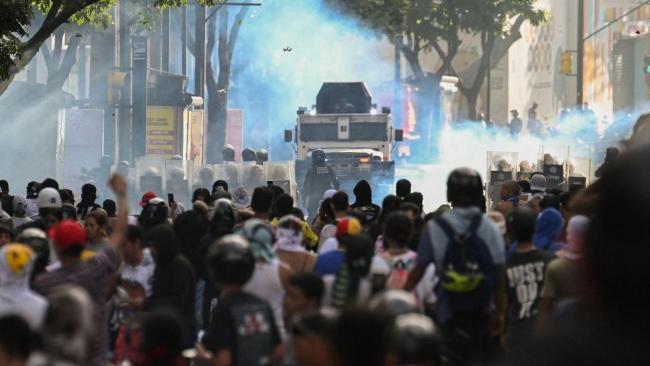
(363, 195)
(20, 212)
(548, 230)
(16, 262)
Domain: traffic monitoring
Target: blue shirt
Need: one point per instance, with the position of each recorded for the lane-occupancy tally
(329, 263)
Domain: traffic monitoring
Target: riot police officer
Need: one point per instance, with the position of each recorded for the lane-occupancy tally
(262, 156)
(248, 154)
(228, 153)
(319, 179)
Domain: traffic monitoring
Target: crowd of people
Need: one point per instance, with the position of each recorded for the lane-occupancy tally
(541, 277)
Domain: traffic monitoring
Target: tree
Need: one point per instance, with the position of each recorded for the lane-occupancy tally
(16, 51)
(218, 81)
(493, 24)
(422, 26)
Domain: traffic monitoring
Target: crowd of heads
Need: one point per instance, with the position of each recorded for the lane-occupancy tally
(518, 281)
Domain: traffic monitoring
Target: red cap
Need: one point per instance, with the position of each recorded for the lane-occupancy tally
(67, 233)
(146, 197)
(348, 226)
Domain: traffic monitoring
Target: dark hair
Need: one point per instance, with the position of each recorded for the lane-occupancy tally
(66, 195)
(512, 187)
(6, 230)
(262, 199)
(410, 206)
(4, 185)
(399, 228)
(163, 239)
(416, 198)
(565, 199)
(283, 205)
(524, 186)
(295, 211)
(555, 191)
(163, 338)
(359, 337)
(326, 213)
(110, 207)
(88, 192)
(220, 183)
(15, 338)
(49, 183)
(134, 233)
(340, 201)
(522, 223)
(202, 194)
(402, 188)
(360, 215)
(310, 285)
(550, 201)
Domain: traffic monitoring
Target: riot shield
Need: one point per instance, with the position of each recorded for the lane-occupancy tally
(150, 172)
(553, 160)
(579, 171)
(252, 176)
(203, 177)
(500, 168)
(178, 180)
(283, 175)
(228, 172)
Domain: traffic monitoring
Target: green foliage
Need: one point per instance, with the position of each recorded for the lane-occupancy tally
(15, 17)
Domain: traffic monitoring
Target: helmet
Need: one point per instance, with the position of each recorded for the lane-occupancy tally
(228, 153)
(318, 156)
(176, 173)
(414, 339)
(394, 302)
(36, 239)
(206, 173)
(230, 260)
(464, 187)
(49, 198)
(151, 172)
(16, 261)
(262, 155)
(105, 161)
(248, 154)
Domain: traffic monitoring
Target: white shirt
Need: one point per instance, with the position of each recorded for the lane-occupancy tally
(142, 273)
(266, 285)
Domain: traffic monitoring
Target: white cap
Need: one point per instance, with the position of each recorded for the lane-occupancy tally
(49, 198)
(538, 183)
(329, 193)
(156, 201)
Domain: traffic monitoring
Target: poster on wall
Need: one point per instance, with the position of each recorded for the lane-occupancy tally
(161, 131)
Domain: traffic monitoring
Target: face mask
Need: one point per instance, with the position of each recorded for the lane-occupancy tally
(513, 199)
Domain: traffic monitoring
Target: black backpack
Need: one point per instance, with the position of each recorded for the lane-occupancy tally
(468, 274)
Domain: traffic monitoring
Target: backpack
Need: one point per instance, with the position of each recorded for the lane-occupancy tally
(399, 270)
(468, 274)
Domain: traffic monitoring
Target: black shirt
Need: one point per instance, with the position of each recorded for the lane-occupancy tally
(244, 325)
(525, 281)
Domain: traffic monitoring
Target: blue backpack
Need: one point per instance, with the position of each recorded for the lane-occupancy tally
(468, 274)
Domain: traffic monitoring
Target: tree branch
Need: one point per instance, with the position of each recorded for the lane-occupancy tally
(210, 80)
(234, 30)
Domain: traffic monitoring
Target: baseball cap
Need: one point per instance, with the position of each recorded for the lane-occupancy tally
(538, 183)
(49, 198)
(146, 198)
(67, 233)
(348, 226)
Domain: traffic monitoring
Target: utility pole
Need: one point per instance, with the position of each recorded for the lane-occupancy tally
(397, 83)
(184, 40)
(488, 109)
(140, 48)
(124, 109)
(581, 52)
(165, 41)
(199, 52)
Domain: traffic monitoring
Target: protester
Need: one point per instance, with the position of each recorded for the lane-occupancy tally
(31, 195)
(6, 200)
(548, 230)
(261, 203)
(68, 207)
(16, 298)
(93, 275)
(16, 341)
(96, 225)
(163, 340)
(363, 195)
(402, 188)
(526, 274)
(289, 245)
(271, 276)
(340, 209)
(243, 329)
(389, 205)
(471, 292)
(191, 226)
(6, 235)
(330, 261)
(173, 278)
(87, 204)
(284, 206)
